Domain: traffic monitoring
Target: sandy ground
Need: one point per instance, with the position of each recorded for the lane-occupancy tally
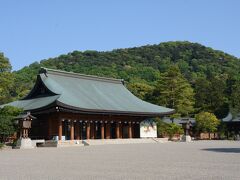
(197, 160)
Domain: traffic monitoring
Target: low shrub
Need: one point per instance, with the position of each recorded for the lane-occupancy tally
(165, 129)
(1, 145)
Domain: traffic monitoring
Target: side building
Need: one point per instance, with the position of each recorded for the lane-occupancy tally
(71, 106)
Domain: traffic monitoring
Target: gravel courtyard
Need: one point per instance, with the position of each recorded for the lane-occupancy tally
(196, 160)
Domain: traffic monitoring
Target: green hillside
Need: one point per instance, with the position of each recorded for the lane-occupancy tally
(213, 75)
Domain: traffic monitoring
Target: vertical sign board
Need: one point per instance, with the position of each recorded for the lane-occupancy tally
(148, 129)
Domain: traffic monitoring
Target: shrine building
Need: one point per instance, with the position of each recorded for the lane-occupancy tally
(71, 106)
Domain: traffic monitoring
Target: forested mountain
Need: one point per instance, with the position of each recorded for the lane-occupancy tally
(208, 78)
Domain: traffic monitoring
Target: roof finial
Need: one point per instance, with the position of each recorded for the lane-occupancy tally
(43, 71)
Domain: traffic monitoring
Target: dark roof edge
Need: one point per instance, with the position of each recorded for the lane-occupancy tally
(97, 111)
(46, 71)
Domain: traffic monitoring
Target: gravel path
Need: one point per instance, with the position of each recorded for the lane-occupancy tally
(197, 160)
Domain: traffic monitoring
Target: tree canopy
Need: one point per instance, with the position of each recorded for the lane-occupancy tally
(174, 91)
(7, 122)
(206, 122)
(6, 79)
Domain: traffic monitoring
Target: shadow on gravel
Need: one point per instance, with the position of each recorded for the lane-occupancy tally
(223, 150)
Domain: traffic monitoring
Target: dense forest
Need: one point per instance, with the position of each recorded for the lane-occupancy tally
(186, 76)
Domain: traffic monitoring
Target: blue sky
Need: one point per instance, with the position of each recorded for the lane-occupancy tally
(34, 30)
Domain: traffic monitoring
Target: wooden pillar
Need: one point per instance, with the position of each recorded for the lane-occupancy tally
(72, 130)
(88, 130)
(107, 130)
(117, 130)
(26, 134)
(129, 130)
(102, 130)
(59, 129)
(80, 130)
(95, 129)
(133, 130)
(120, 131)
(23, 133)
(92, 130)
(77, 130)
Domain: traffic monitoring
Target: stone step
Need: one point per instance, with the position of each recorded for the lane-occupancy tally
(69, 143)
(49, 143)
(161, 140)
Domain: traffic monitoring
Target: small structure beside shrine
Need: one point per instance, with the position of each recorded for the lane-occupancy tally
(70, 107)
(24, 121)
(187, 125)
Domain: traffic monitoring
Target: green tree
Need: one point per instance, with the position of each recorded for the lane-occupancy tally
(161, 127)
(7, 122)
(141, 90)
(206, 122)
(175, 92)
(6, 79)
(202, 89)
(217, 95)
(211, 95)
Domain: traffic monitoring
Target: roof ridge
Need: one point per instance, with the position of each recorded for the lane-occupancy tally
(78, 75)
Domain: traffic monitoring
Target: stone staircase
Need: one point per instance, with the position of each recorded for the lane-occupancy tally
(92, 142)
(68, 143)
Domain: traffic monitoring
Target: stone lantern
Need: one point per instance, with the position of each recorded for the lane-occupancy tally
(25, 122)
(187, 126)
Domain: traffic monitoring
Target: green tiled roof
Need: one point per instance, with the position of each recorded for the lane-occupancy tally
(31, 104)
(90, 93)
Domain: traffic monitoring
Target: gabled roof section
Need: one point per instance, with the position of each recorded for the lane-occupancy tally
(96, 94)
(39, 90)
